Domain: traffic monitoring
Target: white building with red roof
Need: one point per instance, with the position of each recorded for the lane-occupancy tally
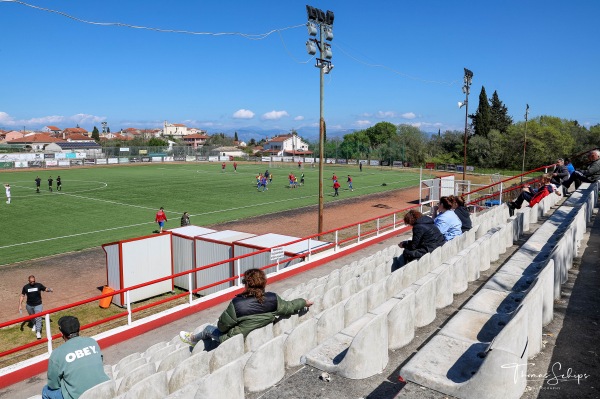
(36, 141)
(287, 144)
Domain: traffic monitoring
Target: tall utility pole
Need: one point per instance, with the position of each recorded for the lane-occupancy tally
(321, 22)
(466, 89)
(525, 141)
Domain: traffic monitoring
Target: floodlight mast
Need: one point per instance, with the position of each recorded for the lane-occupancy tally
(466, 89)
(324, 21)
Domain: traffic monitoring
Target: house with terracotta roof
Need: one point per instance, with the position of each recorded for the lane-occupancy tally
(73, 130)
(13, 135)
(179, 130)
(51, 129)
(195, 140)
(287, 145)
(36, 141)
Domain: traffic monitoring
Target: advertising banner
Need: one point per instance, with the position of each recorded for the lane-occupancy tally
(65, 162)
(113, 160)
(451, 167)
(470, 168)
(51, 162)
(266, 159)
(213, 158)
(123, 160)
(143, 152)
(21, 164)
(397, 164)
(70, 155)
(201, 158)
(36, 164)
(101, 161)
(309, 160)
(329, 160)
(224, 158)
(146, 159)
(168, 159)
(179, 158)
(6, 165)
(190, 158)
(156, 159)
(76, 162)
(288, 159)
(277, 159)
(124, 149)
(80, 155)
(374, 162)
(60, 155)
(341, 161)
(18, 157)
(48, 156)
(385, 163)
(89, 161)
(429, 165)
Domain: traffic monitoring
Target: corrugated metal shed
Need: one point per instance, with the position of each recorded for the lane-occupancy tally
(184, 257)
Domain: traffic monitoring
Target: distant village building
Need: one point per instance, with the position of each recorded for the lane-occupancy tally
(286, 145)
(35, 142)
(195, 140)
(51, 129)
(179, 130)
(228, 151)
(75, 130)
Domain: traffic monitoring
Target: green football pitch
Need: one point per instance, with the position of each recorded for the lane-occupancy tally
(98, 205)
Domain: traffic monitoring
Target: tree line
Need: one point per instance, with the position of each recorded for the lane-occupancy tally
(493, 140)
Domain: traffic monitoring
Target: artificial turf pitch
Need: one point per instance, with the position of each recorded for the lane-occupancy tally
(98, 205)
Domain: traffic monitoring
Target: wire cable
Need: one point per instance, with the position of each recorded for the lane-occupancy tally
(290, 54)
(258, 36)
(337, 46)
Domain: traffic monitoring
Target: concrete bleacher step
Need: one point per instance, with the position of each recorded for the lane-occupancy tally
(105, 390)
(152, 387)
(470, 369)
(266, 365)
(133, 376)
(359, 351)
(190, 370)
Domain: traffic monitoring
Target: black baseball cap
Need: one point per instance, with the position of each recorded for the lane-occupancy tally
(68, 325)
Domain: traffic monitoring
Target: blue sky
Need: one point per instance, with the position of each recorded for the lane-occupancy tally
(62, 72)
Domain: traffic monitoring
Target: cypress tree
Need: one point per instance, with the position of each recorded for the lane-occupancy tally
(481, 119)
(500, 120)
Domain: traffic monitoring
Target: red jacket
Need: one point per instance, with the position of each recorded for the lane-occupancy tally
(160, 217)
(336, 185)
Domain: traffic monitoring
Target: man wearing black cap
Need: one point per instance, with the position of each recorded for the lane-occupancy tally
(75, 366)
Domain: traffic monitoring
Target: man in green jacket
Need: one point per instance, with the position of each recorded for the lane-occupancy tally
(252, 309)
(75, 366)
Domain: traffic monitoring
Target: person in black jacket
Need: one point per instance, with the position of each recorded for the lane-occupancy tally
(458, 205)
(426, 238)
(560, 174)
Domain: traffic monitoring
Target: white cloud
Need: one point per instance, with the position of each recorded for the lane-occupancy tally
(362, 123)
(426, 125)
(385, 114)
(366, 115)
(41, 121)
(299, 118)
(274, 115)
(408, 115)
(243, 114)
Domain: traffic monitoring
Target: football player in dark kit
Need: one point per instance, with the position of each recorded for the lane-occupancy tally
(50, 181)
(38, 182)
(58, 184)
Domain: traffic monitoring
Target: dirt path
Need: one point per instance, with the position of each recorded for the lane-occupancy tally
(78, 275)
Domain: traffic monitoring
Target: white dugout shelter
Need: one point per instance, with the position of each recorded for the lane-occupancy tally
(184, 252)
(136, 261)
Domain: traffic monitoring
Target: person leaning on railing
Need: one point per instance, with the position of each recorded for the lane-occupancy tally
(426, 237)
(590, 174)
(252, 309)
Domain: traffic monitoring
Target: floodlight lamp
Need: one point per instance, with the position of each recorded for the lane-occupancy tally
(329, 17)
(311, 47)
(311, 12)
(327, 52)
(320, 15)
(464, 88)
(312, 28)
(328, 33)
(468, 74)
(461, 104)
(328, 68)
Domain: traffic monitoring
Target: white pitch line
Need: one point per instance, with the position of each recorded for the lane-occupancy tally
(112, 202)
(145, 223)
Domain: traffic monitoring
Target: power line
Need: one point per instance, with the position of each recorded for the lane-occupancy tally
(290, 54)
(394, 70)
(249, 36)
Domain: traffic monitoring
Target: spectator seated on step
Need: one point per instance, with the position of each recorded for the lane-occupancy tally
(426, 237)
